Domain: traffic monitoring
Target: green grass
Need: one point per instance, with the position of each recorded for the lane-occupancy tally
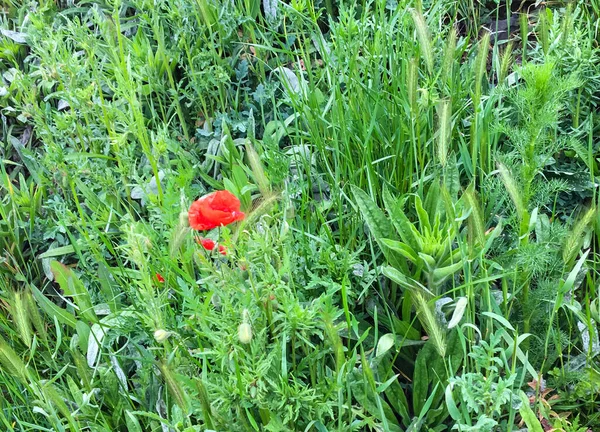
(419, 250)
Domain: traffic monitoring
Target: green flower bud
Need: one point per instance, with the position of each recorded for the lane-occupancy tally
(161, 335)
(245, 333)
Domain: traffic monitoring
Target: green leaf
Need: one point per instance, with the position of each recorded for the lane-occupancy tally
(402, 248)
(62, 315)
(404, 227)
(500, 319)
(440, 274)
(132, 422)
(533, 424)
(379, 225)
(402, 280)
(63, 250)
(382, 387)
(450, 404)
(421, 377)
(11, 362)
(570, 282)
(396, 397)
(432, 200)
(422, 214)
(73, 287)
(385, 343)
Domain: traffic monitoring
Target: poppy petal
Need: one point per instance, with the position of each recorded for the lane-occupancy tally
(207, 243)
(215, 209)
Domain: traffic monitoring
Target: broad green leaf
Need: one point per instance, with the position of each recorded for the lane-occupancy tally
(421, 377)
(405, 229)
(424, 221)
(429, 261)
(402, 280)
(379, 225)
(432, 200)
(73, 287)
(450, 404)
(397, 399)
(500, 319)
(63, 250)
(132, 422)
(383, 387)
(570, 282)
(385, 343)
(54, 311)
(403, 249)
(408, 335)
(395, 394)
(440, 274)
(372, 401)
(529, 417)
(459, 311)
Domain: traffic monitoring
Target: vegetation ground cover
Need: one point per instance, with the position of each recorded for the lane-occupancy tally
(299, 216)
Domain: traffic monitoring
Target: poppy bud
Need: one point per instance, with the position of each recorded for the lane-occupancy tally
(161, 335)
(245, 333)
(184, 220)
(285, 228)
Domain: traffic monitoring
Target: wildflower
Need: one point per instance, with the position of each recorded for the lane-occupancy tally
(160, 278)
(222, 250)
(161, 335)
(213, 210)
(207, 243)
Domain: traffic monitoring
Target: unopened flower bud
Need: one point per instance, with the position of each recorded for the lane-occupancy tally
(245, 333)
(285, 228)
(183, 219)
(161, 335)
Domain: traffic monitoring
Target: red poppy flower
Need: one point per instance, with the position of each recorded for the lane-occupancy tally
(222, 250)
(160, 278)
(207, 243)
(215, 209)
